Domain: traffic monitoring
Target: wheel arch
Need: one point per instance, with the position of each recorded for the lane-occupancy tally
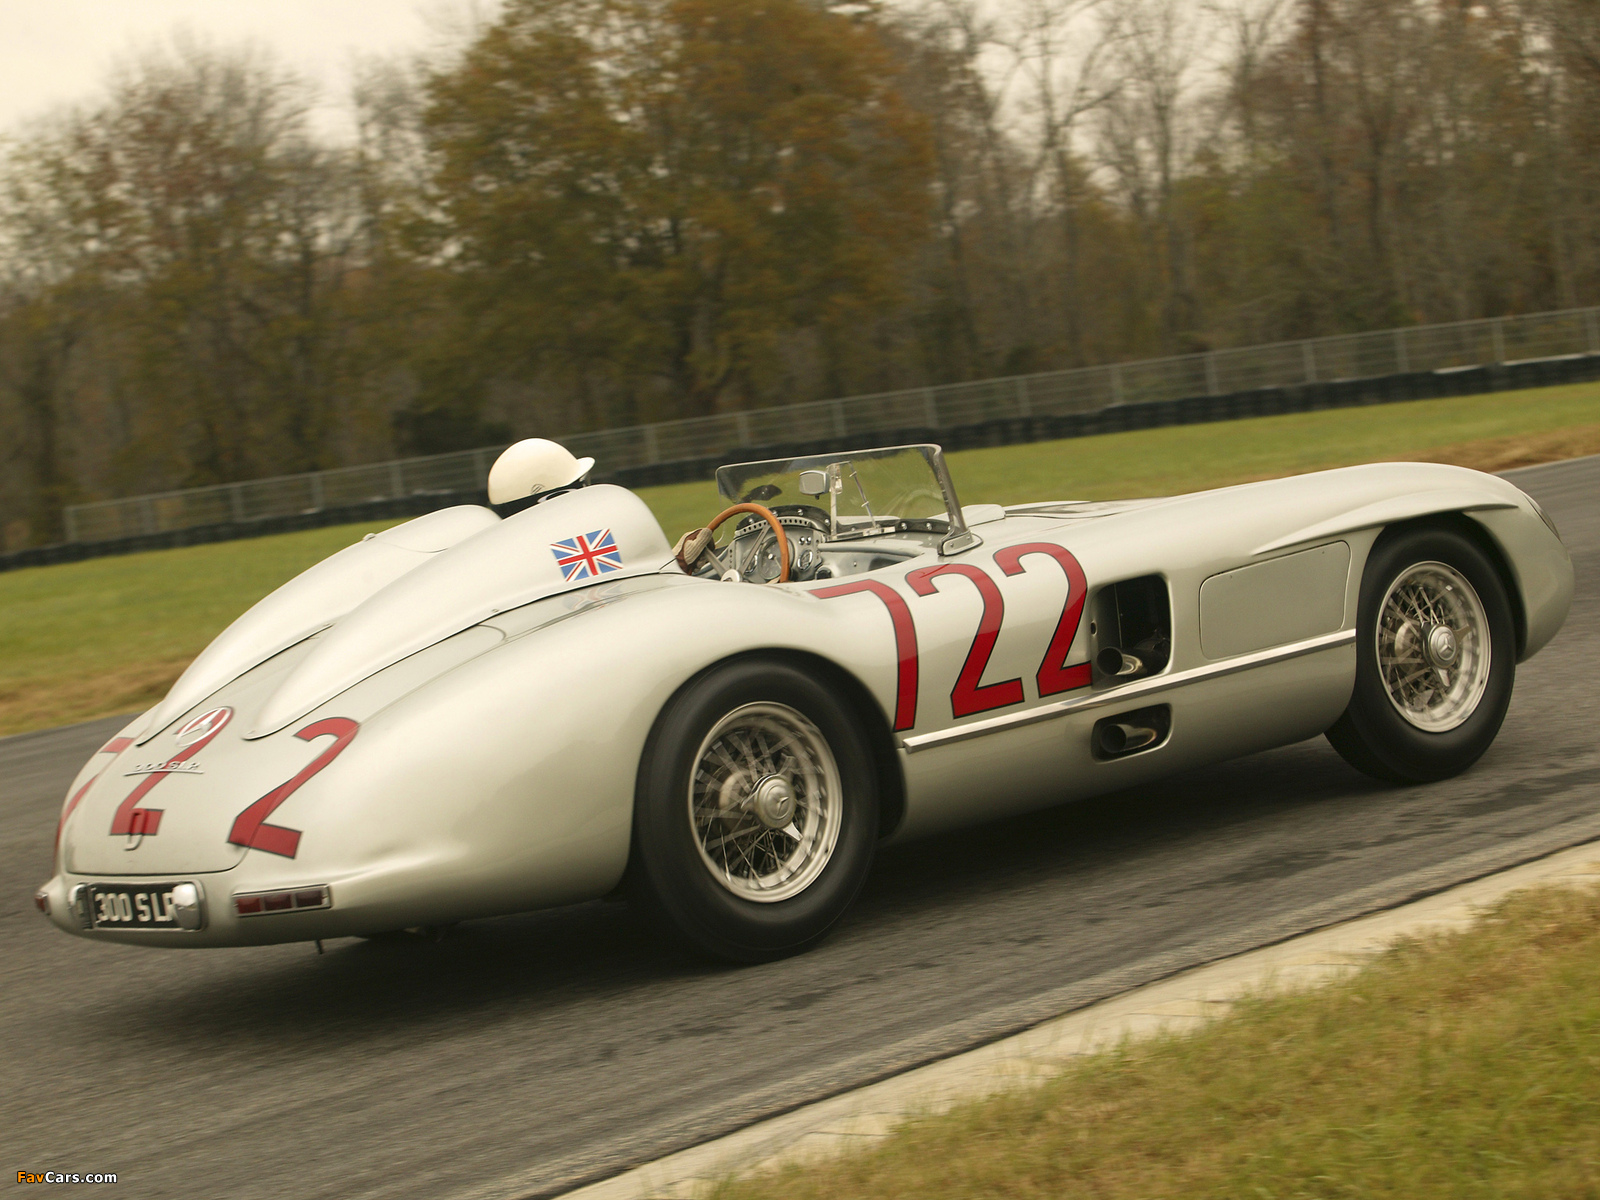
(885, 759)
(1462, 524)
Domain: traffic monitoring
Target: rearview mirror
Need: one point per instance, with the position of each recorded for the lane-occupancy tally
(813, 483)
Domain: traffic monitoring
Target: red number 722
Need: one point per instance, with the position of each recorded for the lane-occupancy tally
(969, 696)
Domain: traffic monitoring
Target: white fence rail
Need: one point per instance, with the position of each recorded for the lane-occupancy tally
(1052, 393)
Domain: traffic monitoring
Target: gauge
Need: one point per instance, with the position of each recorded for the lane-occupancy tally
(756, 549)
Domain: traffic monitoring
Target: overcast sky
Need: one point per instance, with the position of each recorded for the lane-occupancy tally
(56, 51)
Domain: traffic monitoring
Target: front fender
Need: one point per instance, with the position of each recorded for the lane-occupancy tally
(1539, 565)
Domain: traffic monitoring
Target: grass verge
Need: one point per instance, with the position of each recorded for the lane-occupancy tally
(1460, 1066)
(109, 635)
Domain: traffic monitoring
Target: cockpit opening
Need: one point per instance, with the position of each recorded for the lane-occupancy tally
(828, 516)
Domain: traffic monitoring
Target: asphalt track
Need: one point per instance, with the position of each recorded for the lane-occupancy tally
(528, 1054)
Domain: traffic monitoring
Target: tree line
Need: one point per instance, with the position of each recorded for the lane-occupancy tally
(601, 212)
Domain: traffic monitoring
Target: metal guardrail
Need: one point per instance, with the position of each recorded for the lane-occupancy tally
(1051, 393)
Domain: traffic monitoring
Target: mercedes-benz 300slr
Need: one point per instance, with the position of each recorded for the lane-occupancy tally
(466, 716)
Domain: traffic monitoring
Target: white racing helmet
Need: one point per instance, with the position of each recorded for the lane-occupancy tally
(531, 467)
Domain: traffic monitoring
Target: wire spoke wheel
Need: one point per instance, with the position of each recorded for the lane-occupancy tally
(765, 802)
(1434, 650)
(1435, 656)
(757, 810)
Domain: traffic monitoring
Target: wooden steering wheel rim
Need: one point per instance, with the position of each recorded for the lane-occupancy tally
(766, 514)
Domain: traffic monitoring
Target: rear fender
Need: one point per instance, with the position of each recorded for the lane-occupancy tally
(508, 783)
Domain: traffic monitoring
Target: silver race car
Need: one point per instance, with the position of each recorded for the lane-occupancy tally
(466, 716)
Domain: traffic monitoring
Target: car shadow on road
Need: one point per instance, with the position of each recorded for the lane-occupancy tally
(588, 954)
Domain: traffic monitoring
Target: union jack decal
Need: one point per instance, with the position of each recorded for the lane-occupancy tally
(587, 555)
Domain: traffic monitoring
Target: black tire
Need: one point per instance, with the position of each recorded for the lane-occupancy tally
(1373, 736)
(673, 875)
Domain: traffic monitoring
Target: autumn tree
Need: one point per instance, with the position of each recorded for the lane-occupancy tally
(645, 197)
(40, 331)
(42, 323)
(212, 234)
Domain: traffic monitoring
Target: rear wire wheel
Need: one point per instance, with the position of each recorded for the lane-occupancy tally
(757, 811)
(1435, 659)
(765, 801)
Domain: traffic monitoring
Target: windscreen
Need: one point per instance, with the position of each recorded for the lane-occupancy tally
(862, 492)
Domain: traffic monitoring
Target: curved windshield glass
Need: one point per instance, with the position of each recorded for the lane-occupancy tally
(862, 492)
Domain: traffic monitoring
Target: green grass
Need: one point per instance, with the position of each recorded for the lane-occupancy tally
(1187, 458)
(1460, 1067)
(109, 635)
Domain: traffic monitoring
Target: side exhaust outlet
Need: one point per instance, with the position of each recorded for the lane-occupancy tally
(1119, 663)
(1118, 738)
(1130, 732)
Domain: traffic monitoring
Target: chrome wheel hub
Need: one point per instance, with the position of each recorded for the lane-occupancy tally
(1433, 647)
(765, 802)
(773, 802)
(1441, 646)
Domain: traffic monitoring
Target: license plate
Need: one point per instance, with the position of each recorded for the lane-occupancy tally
(132, 906)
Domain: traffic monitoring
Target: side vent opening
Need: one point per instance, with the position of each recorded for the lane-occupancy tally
(1131, 629)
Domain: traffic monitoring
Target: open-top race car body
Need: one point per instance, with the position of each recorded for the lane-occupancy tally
(466, 716)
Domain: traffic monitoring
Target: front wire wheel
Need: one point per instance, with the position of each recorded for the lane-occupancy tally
(1434, 647)
(1435, 658)
(765, 802)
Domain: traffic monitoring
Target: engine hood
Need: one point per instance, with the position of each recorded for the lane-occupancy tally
(555, 546)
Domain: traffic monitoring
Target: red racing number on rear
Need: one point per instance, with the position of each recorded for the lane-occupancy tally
(250, 827)
(135, 821)
(115, 746)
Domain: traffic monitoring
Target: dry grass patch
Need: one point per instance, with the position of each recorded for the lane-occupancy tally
(1466, 1065)
(1523, 450)
(42, 703)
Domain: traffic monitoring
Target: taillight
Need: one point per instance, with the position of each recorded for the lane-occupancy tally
(255, 904)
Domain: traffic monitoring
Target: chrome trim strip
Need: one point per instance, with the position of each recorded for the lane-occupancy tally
(1128, 691)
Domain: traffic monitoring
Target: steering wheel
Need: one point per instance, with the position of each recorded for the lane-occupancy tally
(759, 510)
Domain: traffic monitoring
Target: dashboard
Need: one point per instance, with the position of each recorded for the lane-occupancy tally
(754, 550)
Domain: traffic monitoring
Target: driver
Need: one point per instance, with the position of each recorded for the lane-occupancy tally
(532, 470)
